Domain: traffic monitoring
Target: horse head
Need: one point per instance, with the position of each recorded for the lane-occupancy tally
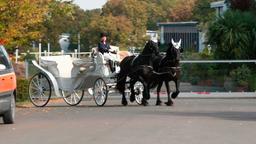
(174, 50)
(151, 48)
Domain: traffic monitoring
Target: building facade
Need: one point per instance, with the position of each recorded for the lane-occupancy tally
(220, 6)
(186, 31)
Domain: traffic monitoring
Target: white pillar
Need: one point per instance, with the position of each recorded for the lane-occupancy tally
(76, 53)
(79, 47)
(45, 53)
(49, 49)
(162, 35)
(16, 55)
(39, 52)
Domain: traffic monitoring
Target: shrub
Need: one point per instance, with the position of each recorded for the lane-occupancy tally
(22, 89)
(241, 75)
(233, 35)
(252, 82)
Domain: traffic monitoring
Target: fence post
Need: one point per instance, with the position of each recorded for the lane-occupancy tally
(49, 47)
(16, 55)
(76, 54)
(45, 53)
(26, 69)
(79, 45)
(39, 54)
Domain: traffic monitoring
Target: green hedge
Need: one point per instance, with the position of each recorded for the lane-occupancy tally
(22, 89)
(252, 82)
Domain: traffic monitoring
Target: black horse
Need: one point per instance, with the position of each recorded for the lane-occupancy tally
(169, 63)
(149, 78)
(130, 63)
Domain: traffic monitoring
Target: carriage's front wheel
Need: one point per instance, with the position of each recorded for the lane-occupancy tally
(100, 92)
(39, 90)
(73, 98)
(138, 89)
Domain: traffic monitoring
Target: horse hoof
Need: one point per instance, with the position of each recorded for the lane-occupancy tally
(158, 103)
(144, 103)
(169, 103)
(132, 98)
(124, 103)
(175, 95)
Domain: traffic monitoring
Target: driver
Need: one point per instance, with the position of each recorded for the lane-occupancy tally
(108, 53)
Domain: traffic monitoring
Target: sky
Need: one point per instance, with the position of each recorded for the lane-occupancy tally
(90, 4)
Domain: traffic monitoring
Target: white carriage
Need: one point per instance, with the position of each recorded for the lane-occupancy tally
(69, 78)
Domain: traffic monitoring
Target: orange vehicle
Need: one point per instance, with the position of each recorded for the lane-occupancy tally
(7, 88)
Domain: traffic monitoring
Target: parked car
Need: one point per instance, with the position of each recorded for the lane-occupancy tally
(7, 88)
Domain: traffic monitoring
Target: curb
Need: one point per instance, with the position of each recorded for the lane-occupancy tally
(201, 95)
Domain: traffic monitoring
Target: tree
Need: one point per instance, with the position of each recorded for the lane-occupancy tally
(234, 35)
(60, 19)
(21, 21)
(203, 13)
(182, 10)
(135, 12)
(158, 11)
(243, 5)
(118, 29)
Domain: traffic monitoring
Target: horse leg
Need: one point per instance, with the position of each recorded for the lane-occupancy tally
(146, 95)
(132, 96)
(169, 102)
(176, 93)
(121, 87)
(124, 101)
(158, 101)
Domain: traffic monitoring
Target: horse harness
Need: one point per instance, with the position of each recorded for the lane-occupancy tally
(136, 57)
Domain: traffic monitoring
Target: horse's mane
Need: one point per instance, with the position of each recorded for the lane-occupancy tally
(150, 48)
(170, 52)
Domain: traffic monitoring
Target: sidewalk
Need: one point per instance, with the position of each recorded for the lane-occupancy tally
(217, 95)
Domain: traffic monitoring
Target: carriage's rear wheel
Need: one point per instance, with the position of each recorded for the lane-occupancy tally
(74, 97)
(138, 89)
(39, 90)
(100, 92)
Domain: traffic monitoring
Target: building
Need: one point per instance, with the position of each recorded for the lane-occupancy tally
(187, 31)
(220, 6)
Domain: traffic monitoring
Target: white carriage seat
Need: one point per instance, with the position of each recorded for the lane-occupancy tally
(100, 57)
(64, 65)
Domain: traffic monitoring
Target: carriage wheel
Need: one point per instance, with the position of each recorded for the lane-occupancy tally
(40, 90)
(100, 92)
(138, 88)
(73, 98)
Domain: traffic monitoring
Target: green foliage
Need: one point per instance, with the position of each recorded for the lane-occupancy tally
(203, 13)
(118, 29)
(62, 18)
(22, 89)
(135, 14)
(206, 54)
(234, 35)
(241, 75)
(243, 5)
(252, 82)
(21, 21)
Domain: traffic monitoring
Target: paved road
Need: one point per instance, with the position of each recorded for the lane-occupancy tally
(190, 121)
